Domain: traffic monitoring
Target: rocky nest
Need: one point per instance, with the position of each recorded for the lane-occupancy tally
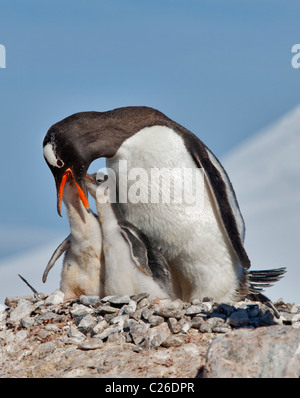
(45, 336)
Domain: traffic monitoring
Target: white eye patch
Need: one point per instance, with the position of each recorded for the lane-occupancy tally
(51, 156)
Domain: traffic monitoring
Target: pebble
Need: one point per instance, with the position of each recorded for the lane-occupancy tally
(106, 309)
(102, 325)
(14, 300)
(129, 308)
(169, 309)
(155, 320)
(75, 334)
(24, 308)
(90, 300)
(89, 322)
(80, 310)
(194, 310)
(57, 297)
(120, 300)
(28, 322)
(91, 344)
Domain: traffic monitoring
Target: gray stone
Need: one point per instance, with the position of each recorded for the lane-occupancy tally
(194, 310)
(142, 303)
(205, 328)
(27, 322)
(174, 326)
(116, 338)
(106, 309)
(46, 349)
(3, 317)
(107, 332)
(155, 337)
(48, 316)
(75, 334)
(207, 306)
(129, 308)
(146, 313)
(196, 302)
(52, 328)
(169, 309)
(155, 320)
(137, 330)
(184, 326)
(172, 341)
(119, 321)
(24, 308)
(91, 344)
(196, 322)
(289, 318)
(215, 322)
(236, 354)
(43, 334)
(89, 300)
(57, 297)
(120, 299)
(221, 329)
(137, 314)
(100, 326)
(87, 324)
(139, 297)
(12, 301)
(80, 310)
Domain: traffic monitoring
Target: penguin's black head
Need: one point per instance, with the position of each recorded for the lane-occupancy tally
(65, 160)
(73, 143)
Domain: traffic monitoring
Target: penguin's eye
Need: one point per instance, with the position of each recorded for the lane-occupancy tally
(59, 163)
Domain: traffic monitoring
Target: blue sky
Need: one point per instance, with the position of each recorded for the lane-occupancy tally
(220, 68)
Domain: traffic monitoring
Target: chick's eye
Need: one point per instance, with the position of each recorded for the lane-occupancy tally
(59, 163)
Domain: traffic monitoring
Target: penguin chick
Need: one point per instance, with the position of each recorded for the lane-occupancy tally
(132, 264)
(83, 248)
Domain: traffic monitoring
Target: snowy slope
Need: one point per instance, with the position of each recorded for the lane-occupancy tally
(265, 173)
(31, 266)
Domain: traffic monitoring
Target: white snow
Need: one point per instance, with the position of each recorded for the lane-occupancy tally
(31, 266)
(265, 173)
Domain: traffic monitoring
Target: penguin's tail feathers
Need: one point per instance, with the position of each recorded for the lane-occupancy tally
(261, 279)
(254, 282)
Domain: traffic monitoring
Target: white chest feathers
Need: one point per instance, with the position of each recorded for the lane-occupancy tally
(188, 230)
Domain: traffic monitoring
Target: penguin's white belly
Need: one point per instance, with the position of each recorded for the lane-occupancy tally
(190, 236)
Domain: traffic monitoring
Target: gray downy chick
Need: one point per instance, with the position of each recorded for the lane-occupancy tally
(81, 272)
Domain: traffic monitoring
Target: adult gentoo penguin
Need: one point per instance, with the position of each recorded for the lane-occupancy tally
(204, 247)
(132, 264)
(81, 272)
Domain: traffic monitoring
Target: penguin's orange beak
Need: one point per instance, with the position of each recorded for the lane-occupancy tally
(68, 173)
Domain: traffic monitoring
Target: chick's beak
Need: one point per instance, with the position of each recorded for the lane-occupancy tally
(69, 174)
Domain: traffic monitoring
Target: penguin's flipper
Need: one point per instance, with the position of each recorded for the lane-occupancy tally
(223, 195)
(137, 247)
(55, 256)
